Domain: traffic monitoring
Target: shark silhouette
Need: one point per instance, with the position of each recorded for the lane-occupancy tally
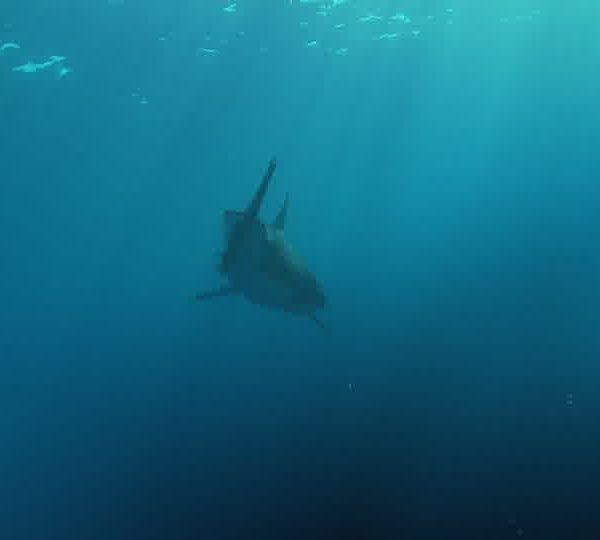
(261, 265)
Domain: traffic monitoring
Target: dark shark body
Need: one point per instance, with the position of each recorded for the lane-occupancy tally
(260, 264)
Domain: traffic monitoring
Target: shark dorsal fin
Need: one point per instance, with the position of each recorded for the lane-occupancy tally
(279, 222)
(231, 219)
(248, 217)
(256, 203)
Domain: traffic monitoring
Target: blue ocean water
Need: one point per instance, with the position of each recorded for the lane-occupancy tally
(441, 161)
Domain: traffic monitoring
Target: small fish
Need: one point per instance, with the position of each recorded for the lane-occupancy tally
(29, 67)
(211, 52)
(32, 67)
(400, 17)
(388, 37)
(370, 18)
(8, 46)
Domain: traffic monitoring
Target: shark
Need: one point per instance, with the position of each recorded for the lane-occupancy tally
(260, 264)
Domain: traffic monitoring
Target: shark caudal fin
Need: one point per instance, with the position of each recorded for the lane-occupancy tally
(320, 324)
(279, 222)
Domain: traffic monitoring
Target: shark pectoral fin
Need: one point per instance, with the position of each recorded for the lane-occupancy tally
(226, 290)
(279, 222)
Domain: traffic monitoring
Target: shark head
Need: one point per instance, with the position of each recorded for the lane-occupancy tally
(311, 298)
(287, 270)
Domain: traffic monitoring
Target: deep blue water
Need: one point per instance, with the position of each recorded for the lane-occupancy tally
(444, 187)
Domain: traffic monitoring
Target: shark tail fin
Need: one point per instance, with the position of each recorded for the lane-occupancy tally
(319, 323)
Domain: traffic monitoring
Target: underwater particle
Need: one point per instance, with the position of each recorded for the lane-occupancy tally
(231, 8)
(330, 4)
(416, 33)
(523, 18)
(569, 400)
(312, 44)
(339, 26)
(8, 46)
(342, 51)
(351, 387)
(513, 523)
(139, 97)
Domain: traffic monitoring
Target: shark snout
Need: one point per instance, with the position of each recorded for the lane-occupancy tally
(319, 300)
(322, 300)
(310, 299)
